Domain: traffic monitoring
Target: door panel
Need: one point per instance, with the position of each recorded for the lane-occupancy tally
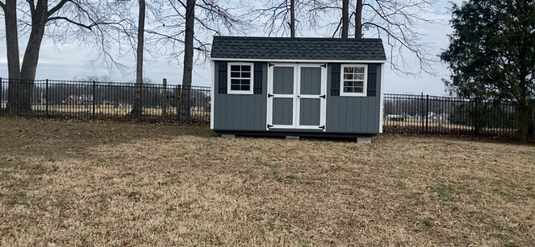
(311, 97)
(310, 80)
(281, 96)
(296, 96)
(309, 112)
(283, 111)
(283, 80)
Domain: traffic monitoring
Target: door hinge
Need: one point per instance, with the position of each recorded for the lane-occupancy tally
(269, 126)
(322, 96)
(322, 127)
(271, 64)
(270, 95)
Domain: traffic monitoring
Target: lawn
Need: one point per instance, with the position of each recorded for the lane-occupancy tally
(72, 183)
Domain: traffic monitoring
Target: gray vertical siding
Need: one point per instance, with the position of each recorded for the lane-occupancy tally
(353, 114)
(343, 114)
(309, 111)
(240, 111)
(310, 81)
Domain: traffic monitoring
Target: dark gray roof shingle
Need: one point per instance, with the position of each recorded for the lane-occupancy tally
(224, 47)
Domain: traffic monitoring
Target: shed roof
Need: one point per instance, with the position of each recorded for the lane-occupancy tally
(274, 48)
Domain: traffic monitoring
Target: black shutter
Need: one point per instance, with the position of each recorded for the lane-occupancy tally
(335, 80)
(372, 80)
(222, 84)
(257, 89)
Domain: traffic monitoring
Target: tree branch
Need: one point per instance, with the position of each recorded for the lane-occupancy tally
(72, 22)
(55, 9)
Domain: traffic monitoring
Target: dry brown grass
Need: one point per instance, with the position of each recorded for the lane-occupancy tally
(122, 184)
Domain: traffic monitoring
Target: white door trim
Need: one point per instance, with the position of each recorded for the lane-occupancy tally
(289, 96)
(296, 96)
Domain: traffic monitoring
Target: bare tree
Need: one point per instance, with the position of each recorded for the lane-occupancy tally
(63, 21)
(137, 107)
(183, 109)
(292, 18)
(345, 18)
(358, 19)
(396, 21)
(185, 29)
(279, 16)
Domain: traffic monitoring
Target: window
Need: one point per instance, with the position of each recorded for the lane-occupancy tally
(353, 81)
(240, 78)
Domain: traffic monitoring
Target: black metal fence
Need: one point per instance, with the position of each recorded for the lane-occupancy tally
(110, 100)
(422, 114)
(447, 115)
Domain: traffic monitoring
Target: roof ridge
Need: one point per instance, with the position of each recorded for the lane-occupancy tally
(290, 38)
(300, 48)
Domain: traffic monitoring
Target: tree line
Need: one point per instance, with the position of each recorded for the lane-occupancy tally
(490, 55)
(182, 28)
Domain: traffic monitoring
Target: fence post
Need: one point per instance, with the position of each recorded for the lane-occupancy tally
(476, 115)
(188, 110)
(46, 98)
(140, 102)
(178, 96)
(94, 98)
(423, 113)
(427, 114)
(1, 92)
(164, 99)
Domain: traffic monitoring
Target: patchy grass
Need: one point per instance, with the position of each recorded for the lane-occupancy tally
(76, 183)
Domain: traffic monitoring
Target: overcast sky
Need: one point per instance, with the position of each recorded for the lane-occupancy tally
(71, 61)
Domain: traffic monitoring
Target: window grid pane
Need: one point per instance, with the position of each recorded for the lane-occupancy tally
(240, 77)
(353, 79)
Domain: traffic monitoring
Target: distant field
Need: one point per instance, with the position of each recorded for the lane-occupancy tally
(74, 183)
(420, 122)
(109, 110)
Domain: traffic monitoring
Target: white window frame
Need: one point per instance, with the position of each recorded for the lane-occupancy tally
(364, 84)
(251, 79)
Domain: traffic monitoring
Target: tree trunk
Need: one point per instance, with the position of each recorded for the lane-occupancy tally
(358, 20)
(13, 59)
(184, 110)
(12, 39)
(345, 18)
(292, 18)
(137, 108)
(20, 96)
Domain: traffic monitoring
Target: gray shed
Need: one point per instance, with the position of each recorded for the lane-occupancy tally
(297, 86)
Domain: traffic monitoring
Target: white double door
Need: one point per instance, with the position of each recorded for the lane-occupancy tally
(296, 96)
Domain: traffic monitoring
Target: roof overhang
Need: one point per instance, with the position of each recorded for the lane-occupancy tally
(295, 60)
